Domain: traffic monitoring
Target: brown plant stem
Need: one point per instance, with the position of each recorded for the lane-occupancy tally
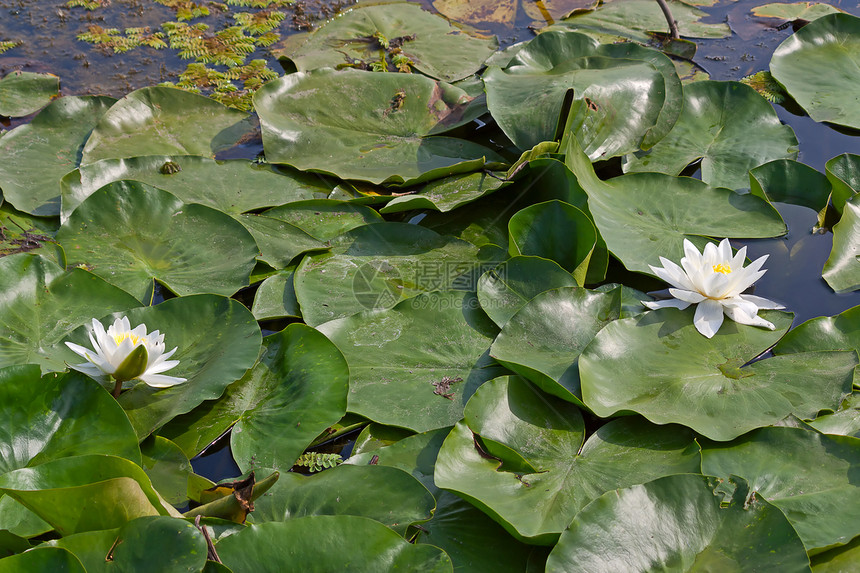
(673, 25)
(117, 388)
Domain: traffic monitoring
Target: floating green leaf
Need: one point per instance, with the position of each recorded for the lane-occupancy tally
(35, 156)
(369, 34)
(276, 297)
(416, 365)
(44, 303)
(447, 194)
(787, 181)
(344, 491)
(164, 121)
(679, 523)
(58, 415)
(816, 489)
(324, 219)
(843, 172)
(538, 470)
(131, 234)
(726, 125)
(42, 560)
(702, 380)
(316, 543)
(544, 339)
(842, 269)
(22, 93)
(825, 49)
(234, 186)
(387, 136)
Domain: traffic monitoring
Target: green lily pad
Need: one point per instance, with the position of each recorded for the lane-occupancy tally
(416, 365)
(316, 543)
(635, 20)
(168, 467)
(727, 125)
(324, 219)
(787, 181)
(840, 332)
(843, 172)
(702, 379)
(843, 422)
(217, 340)
(506, 289)
(278, 241)
(842, 268)
(557, 231)
(234, 186)
(181, 547)
(22, 93)
(80, 493)
(35, 156)
(42, 560)
(343, 491)
(435, 47)
(538, 470)
(164, 121)
(825, 49)
(48, 304)
(276, 297)
(130, 234)
(297, 390)
(679, 523)
(815, 487)
(463, 531)
(838, 559)
(539, 343)
(447, 194)
(376, 266)
(632, 216)
(18, 520)
(58, 415)
(795, 10)
(387, 136)
(526, 97)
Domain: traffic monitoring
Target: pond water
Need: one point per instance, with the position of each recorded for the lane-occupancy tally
(48, 30)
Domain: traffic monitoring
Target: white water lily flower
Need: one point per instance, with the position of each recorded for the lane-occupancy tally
(123, 353)
(714, 280)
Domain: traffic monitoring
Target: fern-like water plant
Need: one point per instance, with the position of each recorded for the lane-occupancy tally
(316, 461)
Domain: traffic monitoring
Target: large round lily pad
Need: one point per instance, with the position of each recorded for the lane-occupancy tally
(374, 127)
(539, 470)
(632, 89)
(544, 339)
(818, 66)
(327, 543)
(726, 125)
(644, 216)
(130, 234)
(815, 487)
(842, 269)
(703, 383)
(165, 121)
(416, 365)
(43, 303)
(234, 186)
(35, 156)
(359, 36)
(22, 93)
(58, 415)
(679, 523)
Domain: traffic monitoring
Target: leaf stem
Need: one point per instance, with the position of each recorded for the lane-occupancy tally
(673, 25)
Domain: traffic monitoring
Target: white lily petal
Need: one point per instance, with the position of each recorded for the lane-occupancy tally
(739, 316)
(708, 317)
(78, 349)
(761, 302)
(738, 304)
(672, 274)
(688, 296)
(668, 303)
(158, 368)
(161, 380)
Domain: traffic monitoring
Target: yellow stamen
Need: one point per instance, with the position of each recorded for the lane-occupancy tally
(722, 268)
(135, 339)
